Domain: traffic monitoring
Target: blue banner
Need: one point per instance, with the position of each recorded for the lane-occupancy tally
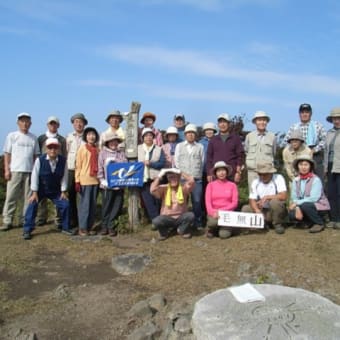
(125, 174)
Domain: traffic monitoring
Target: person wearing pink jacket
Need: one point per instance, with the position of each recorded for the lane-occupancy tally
(221, 194)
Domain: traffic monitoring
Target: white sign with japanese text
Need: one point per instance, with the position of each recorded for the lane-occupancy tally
(240, 219)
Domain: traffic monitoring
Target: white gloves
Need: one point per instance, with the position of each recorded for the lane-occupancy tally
(104, 183)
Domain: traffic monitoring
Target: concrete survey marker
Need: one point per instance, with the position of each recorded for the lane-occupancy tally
(286, 313)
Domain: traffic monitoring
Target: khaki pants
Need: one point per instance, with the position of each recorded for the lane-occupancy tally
(275, 214)
(18, 189)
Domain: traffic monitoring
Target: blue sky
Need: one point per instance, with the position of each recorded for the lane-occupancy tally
(197, 57)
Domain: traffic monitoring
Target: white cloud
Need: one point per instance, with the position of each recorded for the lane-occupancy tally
(195, 63)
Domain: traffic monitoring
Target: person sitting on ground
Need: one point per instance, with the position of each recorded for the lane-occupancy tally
(308, 201)
(174, 213)
(293, 150)
(221, 194)
(268, 196)
(49, 180)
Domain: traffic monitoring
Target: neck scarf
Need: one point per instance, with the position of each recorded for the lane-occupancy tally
(311, 134)
(93, 159)
(306, 176)
(147, 151)
(179, 195)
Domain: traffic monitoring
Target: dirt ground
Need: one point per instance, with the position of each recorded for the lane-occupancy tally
(59, 287)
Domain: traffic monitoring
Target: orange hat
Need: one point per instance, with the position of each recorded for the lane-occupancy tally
(148, 115)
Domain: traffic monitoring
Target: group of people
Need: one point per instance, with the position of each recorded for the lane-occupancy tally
(178, 165)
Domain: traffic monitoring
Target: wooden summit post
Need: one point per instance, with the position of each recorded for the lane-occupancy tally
(131, 142)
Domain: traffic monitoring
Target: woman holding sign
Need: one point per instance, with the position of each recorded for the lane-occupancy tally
(112, 198)
(221, 194)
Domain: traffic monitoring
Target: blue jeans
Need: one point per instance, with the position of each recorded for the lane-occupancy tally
(196, 201)
(310, 214)
(62, 208)
(151, 203)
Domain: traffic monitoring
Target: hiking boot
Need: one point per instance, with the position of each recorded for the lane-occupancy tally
(104, 231)
(209, 233)
(26, 235)
(162, 237)
(224, 233)
(41, 223)
(316, 228)
(83, 232)
(5, 227)
(186, 236)
(279, 229)
(69, 232)
(113, 232)
(330, 224)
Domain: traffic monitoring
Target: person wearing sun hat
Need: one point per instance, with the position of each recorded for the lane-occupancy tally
(73, 141)
(268, 196)
(332, 166)
(153, 158)
(309, 203)
(169, 147)
(179, 124)
(148, 121)
(20, 149)
(314, 135)
(221, 194)
(48, 180)
(296, 147)
(112, 198)
(174, 215)
(259, 145)
(114, 118)
(53, 124)
(189, 158)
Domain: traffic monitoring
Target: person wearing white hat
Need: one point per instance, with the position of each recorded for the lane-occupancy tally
(332, 166)
(154, 160)
(169, 147)
(20, 149)
(48, 180)
(53, 125)
(227, 147)
(259, 145)
(189, 158)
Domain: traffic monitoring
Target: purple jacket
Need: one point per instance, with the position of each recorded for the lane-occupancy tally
(231, 151)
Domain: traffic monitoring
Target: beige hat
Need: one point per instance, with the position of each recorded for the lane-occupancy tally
(334, 113)
(79, 115)
(114, 113)
(171, 130)
(303, 158)
(209, 126)
(265, 168)
(190, 128)
(108, 136)
(224, 116)
(222, 164)
(296, 134)
(260, 114)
